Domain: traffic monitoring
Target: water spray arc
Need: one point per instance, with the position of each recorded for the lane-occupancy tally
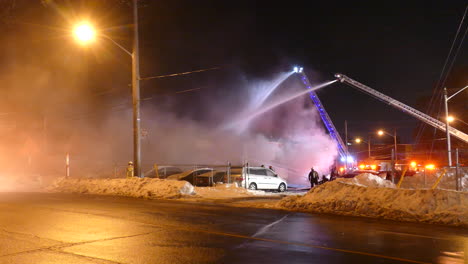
(250, 116)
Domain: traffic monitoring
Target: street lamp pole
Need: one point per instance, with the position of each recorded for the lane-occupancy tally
(446, 99)
(449, 154)
(368, 146)
(394, 141)
(136, 94)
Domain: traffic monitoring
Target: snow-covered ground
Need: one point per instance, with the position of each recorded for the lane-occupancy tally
(370, 196)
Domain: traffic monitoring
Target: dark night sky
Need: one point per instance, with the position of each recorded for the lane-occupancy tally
(397, 48)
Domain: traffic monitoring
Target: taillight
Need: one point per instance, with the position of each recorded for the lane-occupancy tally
(240, 179)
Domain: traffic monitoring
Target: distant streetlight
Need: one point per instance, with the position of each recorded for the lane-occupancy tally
(382, 132)
(447, 120)
(394, 157)
(450, 119)
(85, 34)
(359, 140)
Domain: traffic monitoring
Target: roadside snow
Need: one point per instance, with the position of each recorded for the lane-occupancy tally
(351, 197)
(135, 187)
(152, 188)
(367, 180)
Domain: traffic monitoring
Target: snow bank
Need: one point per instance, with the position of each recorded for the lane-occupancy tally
(367, 180)
(341, 197)
(223, 191)
(134, 187)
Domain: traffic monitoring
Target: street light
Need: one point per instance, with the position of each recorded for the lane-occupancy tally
(85, 33)
(359, 140)
(394, 156)
(446, 99)
(382, 132)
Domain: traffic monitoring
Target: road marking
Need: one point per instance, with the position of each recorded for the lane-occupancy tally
(415, 235)
(265, 228)
(304, 245)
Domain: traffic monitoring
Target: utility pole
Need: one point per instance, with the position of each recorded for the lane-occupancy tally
(395, 143)
(346, 143)
(368, 146)
(136, 94)
(449, 154)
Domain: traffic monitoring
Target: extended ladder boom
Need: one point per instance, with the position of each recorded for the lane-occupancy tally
(401, 106)
(326, 119)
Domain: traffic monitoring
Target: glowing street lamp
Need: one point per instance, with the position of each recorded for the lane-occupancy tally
(447, 120)
(84, 33)
(450, 119)
(394, 156)
(359, 140)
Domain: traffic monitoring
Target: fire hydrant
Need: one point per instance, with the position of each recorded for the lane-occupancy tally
(130, 170)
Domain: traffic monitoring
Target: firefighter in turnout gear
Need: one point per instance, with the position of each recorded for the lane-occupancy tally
(130, 170)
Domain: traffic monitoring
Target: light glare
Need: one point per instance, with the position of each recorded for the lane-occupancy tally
(84, 33)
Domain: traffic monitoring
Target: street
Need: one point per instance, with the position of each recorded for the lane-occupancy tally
(72, 228)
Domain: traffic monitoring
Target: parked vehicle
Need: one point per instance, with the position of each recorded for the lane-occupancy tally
(212, 177)
(190, 175)
(262, 178)
(163, 172)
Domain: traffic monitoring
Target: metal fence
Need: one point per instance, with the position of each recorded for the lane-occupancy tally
(453, 178)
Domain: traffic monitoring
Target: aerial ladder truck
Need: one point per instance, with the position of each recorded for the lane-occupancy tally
(342, 147)
(403, 107)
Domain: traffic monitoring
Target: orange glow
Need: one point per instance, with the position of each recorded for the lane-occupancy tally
(430, 166)
(341, 169)
(380, 132)
(450, 119)
(362, 166)
(373, 167)
(413, 164)
(358, 140)
(84, 32)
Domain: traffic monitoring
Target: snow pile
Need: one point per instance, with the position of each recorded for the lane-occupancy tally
(367, 180)
(134, 187)
(339, 197)
(223, 191)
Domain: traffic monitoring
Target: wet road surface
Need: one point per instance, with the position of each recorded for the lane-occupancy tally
(69, 228)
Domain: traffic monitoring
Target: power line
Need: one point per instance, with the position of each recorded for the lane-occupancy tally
(177, 74)
(441, 81)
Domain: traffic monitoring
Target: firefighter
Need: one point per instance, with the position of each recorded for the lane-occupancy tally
(130, 170)
(313, 177)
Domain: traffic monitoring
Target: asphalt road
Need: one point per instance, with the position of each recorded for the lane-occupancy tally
(65, 228)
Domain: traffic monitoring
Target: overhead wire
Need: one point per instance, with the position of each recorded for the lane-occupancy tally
(437, 88)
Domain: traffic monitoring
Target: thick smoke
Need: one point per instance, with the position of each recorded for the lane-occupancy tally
(290, 138)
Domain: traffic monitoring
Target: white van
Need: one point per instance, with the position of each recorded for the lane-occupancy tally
(262, 178)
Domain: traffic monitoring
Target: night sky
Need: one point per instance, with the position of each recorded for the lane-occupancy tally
(397, 48)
